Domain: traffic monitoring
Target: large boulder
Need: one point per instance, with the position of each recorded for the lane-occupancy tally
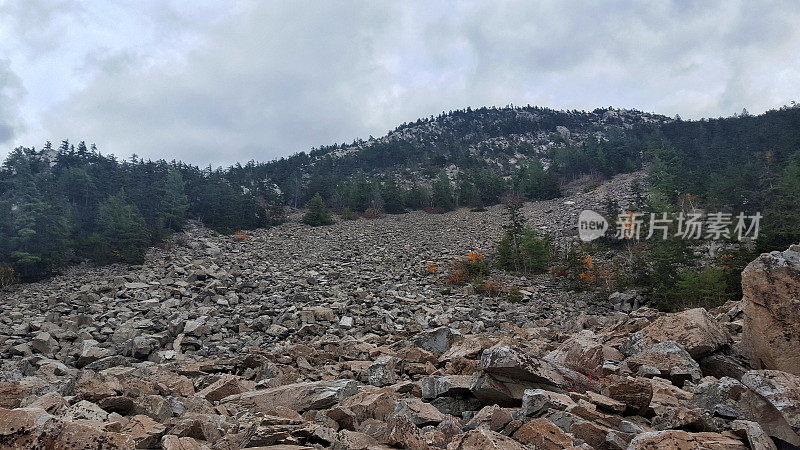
(769, 398)
(483, 439)
(542, 434)
(683, 440)
(666, 359)
(635, 393)
(438, 340)
(513, 363)
(694, 329)
(771, 330)
(584, 353)
(445, 386)
(507, 371)
(298, 396)
(779, 389)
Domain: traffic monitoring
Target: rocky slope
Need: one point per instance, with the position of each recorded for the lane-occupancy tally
(340, 337)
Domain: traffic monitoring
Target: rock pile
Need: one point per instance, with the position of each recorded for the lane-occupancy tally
(338, 337)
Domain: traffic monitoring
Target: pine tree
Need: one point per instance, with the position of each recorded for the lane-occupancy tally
(174, 203)
(123, 229)
(392, 198)
(317, 214)
(443, 193)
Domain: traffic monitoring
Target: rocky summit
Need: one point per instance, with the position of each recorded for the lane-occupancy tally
(348, 337)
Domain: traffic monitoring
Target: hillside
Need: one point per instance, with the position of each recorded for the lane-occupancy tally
(65, 205)
(351, 336)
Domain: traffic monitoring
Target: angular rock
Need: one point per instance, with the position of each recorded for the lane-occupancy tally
(438, 340)
(771, 329)
(298, 396)
(670, 359)
(144, 431)
(226, 386)
(538, 401)
(512, 363)
(418, 412)
(780, 389)
(382, 371)
(585, 354)
(445, 386)
(635, 393)
(683, 440)
(542, 434)
(755, 435)
(694, 329)
(482, 439)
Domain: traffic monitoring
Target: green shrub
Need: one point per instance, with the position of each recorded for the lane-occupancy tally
(7, 276)
(514, 296)
(347, 214)
(706, 288)
(317, 214)
(529, 253)
(522, 249)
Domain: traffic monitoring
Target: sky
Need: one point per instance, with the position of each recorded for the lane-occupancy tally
(220, 82)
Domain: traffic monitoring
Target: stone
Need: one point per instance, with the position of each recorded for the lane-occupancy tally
(513, 363)
(694, 329)
(670, 359)
(346, 322)
(539, 401)
(298, 396)
(493, 418)
(438, 340)
(52, 402)
(172, 442)
(606, 403)
(720, 365)
(400, 432)
(445, 386)
(144, 431)
(490, 390)
(482, 439)
(542, 434)
(13, 393)
(153, 406)
(85, 410)
(370, 404)
(44, 343)
(83, 435)
(635, 393)
(90, 353)
(780, 389)
(771, 328)
(382, 371)
(683, 440)
(585, 354)
(225, 386)
(26, 427)
(756, 437)
(418, 412)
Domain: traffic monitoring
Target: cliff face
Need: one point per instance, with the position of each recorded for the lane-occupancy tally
(771, 286)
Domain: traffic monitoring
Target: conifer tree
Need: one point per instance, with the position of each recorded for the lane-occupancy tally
(317, 214)
(123, 229)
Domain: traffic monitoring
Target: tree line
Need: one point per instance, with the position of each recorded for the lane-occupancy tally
(72, 203)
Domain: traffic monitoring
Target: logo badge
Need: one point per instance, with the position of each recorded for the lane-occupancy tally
(591, 225)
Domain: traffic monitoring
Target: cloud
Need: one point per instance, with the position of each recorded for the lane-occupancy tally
(11, 92)
(267, 79)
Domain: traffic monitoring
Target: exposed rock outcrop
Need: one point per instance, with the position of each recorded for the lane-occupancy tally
(771, 288)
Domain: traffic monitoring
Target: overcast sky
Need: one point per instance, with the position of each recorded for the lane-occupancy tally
(215, 82)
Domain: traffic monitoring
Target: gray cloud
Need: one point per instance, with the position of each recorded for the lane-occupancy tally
(11, 92)
(272, 78)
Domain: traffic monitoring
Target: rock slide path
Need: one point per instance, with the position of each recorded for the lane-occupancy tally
(300, 337)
